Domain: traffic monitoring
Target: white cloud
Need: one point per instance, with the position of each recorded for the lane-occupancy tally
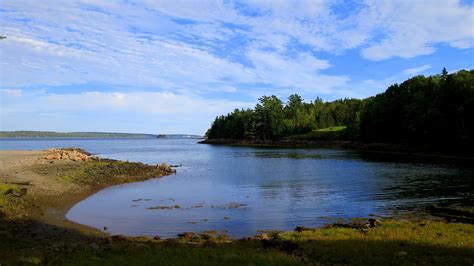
(300, 72)
(143, 45)
(11, 92)
(416, 70)
(412, 28)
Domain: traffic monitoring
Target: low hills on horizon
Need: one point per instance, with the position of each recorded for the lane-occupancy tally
(53, 134)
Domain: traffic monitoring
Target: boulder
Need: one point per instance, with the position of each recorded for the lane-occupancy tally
(303, 228)
(187, 235)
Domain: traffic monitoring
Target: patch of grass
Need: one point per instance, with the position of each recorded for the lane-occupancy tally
(331, 129)
(330, 133)
(183, 254)
(6, 189)
(393, 243)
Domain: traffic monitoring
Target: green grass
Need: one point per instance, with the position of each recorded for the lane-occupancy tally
(331, 129)
(329, 133)
(169, 254)
(391, 243)
(6, 189)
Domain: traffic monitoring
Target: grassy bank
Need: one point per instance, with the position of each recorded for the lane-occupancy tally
(36, 192)
(323, 134)
(391, 243)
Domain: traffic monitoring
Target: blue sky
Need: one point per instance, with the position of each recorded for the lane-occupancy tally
(172, 66)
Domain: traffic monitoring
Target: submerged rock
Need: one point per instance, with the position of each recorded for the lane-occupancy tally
(164, 207)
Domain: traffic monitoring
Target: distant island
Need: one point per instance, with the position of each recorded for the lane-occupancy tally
(52, 134)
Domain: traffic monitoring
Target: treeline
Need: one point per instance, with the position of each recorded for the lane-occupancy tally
(422, 109)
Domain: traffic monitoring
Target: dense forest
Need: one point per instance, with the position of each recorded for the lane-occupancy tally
(422, 109)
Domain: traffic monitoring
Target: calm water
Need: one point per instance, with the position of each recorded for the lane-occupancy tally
(243, 190)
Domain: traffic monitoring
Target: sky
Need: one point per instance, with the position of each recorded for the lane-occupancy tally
(173, 66)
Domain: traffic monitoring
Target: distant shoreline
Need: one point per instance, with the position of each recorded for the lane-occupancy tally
(91, 135)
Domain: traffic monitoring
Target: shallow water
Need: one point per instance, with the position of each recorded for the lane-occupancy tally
(243, 190)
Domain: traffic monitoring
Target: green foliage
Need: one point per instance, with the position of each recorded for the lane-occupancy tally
(272, 120)
(269, 118)
(423, 110)
(6, 189)
(329, 133)
(435, 109)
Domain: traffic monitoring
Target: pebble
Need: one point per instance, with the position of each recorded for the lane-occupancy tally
(402, 253)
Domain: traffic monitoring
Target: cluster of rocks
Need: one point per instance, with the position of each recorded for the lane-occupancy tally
(166, 168)
(355, 224)
(75, 155)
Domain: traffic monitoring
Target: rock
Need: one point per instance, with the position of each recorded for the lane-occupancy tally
(303, 228)
(105, 228)
(156, 238)
(54, 156)
(263, 236)
(109, 240)
(187, 235)
(375, 222)
(73, 154)
(164, 207)
(402, 253)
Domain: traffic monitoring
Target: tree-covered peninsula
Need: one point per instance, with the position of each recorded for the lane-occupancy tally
(422, 110)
